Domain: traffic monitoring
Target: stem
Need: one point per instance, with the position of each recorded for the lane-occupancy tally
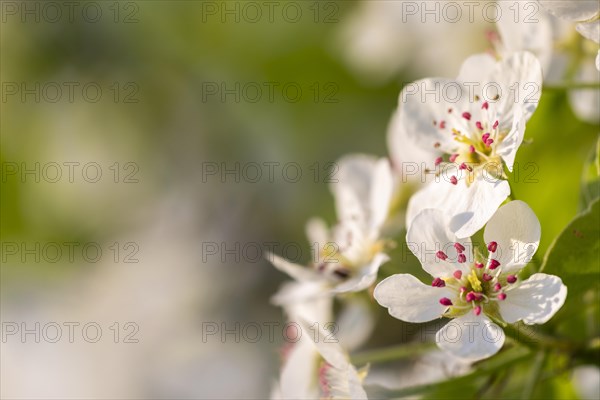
(536, 340)
(534, 377)
(574, 85)
(489, 383)
(492, 365)
(392, 353)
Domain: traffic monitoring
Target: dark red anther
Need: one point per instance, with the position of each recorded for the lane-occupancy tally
(445, 301)
(438, 282)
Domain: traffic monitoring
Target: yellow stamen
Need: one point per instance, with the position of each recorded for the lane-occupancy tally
(474, 280)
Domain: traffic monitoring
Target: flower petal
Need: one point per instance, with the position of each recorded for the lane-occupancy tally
(579, 10)
(317, 232)
(516, 230)
(469, 207)
(519, 78)
(586, 381)
(355, 323)
(585, 102)
(308, 301)
(535, 37)
(507, 148)
(471, 337)
(297, 378)
(343, 384)
(380, 195)
(534, 300)
(298, 272)
(408, 299)
(363, 190)
(429, 233)
(477, 68)
(407, 157)
(422, 104)
(590, 30)
(351, 187)
(365, 277)
(326, 344)
(340, 377)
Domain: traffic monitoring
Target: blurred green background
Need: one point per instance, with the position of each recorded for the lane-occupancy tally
(166, 57)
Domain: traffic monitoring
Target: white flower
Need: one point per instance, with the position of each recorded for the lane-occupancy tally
(347, 257)
(317, 366)
(469, 128)
(586, 380)
(524, 34)
(552, 41)
(380, 39)
(585, 12)
(474, 290)
(435, 366)
(302, 300)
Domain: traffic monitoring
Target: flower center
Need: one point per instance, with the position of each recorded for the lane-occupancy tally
(479, 290)
(474, 144)
(338, 263)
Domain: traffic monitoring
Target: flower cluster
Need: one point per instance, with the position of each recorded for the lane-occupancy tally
(467, 143)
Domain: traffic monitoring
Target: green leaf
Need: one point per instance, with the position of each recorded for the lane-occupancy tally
(590, 180)
(574, 257)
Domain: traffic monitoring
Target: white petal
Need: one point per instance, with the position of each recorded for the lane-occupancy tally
(408, 299)
(326, 344)
(590, 30)
(471, 337)
(365, 277)
(477, 68)
(422, 103)
(298, 272)
(355, 323)
(469, 207)
(297, 379)
(351, 187)
(534, 36)
(363, 190)
(517, 231)
(381, 194)
(507, 148)
(519, 77)
(534, 300)
(317, 232)
(579, 10)
(408, 158)
(350, 238)
(344, 384)
(429, 233)
(586, 102)
(309, 301)
(586, 380)
(341, 376)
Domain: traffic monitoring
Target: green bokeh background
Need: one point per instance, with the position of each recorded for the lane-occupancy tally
(170, 54)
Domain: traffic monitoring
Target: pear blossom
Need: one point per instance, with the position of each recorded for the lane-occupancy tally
(346, 258)
(470, 128)
(435, 366)
(375, 37)
(586, 381)
(552, 40)
(585, 12)
(319, 368)
(305, 372)
(476, 291)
